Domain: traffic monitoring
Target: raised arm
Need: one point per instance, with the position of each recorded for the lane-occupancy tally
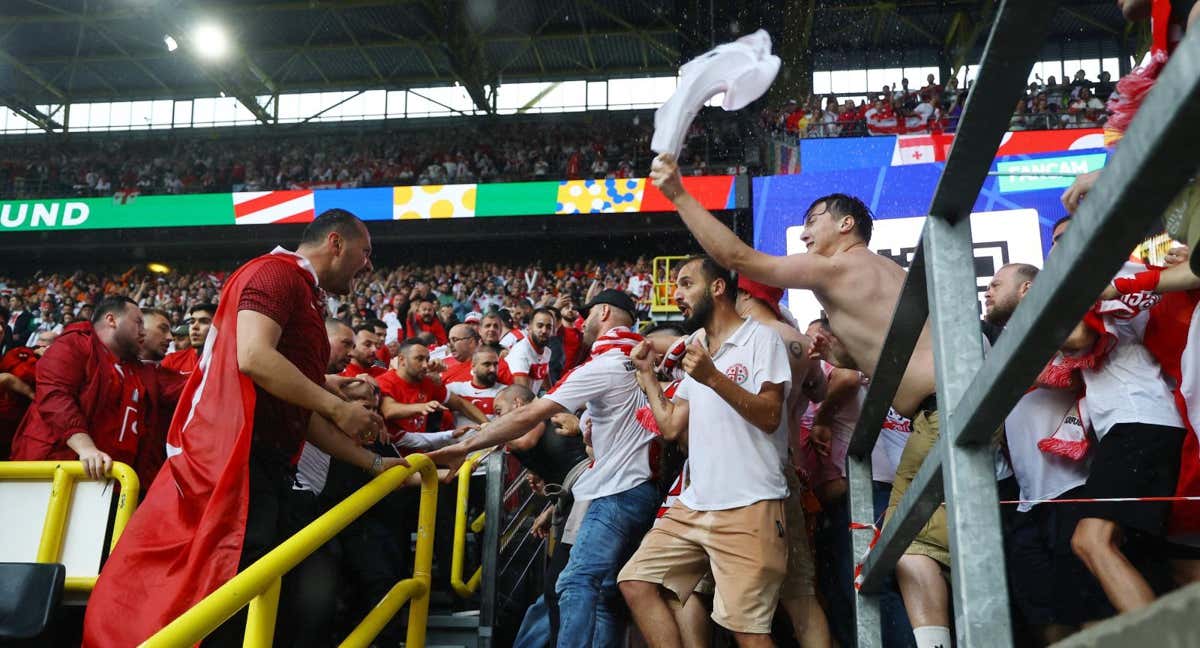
(257, 336)
(807, 271)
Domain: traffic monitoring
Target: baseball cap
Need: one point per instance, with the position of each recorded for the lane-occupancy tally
(616, 298)
(473, 318)
(769, 295)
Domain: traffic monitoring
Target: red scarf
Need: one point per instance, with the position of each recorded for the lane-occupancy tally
(185, 540)
(618, 338)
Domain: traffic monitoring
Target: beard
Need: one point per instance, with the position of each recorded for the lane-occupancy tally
(428, 319)
(487, 379)
(702, 311)
(1000, 313)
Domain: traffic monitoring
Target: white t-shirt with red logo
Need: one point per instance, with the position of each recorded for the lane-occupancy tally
(513, 336)
(482, 397)
(524, 360)
(732, 463)
(606, 384)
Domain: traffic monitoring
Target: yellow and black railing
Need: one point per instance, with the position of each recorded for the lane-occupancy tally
(258, 585)
(62, 476)
(662, 297)
(458, 559)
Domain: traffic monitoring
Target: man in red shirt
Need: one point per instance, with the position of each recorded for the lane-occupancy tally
(18, 377)
(570, 331)
(222, 495)
(341, 344)
(463, 341)
(363, 354)
(410, 397)
(425, 321)
(95, 400)
(157, 324)
(199, 321)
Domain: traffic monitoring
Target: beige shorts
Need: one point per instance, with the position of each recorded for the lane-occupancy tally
(933, 539)
(801, 566)
(744, 548)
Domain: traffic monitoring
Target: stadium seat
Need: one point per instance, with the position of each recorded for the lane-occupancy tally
(29, 594)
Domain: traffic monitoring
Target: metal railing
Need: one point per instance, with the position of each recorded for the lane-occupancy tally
(63, 475)
(458, 558)
(258, 585)
(974, 395)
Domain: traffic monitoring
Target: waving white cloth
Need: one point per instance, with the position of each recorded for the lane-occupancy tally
(743, 70)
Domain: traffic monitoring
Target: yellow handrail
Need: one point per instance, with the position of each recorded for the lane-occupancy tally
(457, 559)
(258, 584)
(64, 474)
(662, 295)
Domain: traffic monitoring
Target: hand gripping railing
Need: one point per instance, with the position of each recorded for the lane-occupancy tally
(468, 588)
(64, 474)
(258, 584)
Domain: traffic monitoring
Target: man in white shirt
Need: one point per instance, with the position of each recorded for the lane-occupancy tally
(529, 359)
(481, 389)
(1140, 438)
(621, 497)
(730, 520)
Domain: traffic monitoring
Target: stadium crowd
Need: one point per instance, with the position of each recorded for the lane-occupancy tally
(468, 152)
(899, 109)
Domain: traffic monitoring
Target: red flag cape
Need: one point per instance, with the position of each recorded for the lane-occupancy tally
(185, 540)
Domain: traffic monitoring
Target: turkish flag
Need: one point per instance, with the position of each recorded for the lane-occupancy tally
(185, 540)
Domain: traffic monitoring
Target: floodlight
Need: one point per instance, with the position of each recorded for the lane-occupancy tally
(172, 45)
(209, 41)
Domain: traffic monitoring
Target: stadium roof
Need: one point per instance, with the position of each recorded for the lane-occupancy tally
(59, 51)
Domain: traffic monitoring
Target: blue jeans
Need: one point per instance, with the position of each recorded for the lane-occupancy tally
(588, 598)
(535, 627)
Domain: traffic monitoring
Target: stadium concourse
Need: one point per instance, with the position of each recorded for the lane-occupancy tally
(381, 324)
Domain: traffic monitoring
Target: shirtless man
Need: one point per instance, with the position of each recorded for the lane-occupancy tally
(858, 290)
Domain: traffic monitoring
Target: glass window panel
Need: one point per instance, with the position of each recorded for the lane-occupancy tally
(574, 95)
(848, 81)
(289, 108)
(822, 83)
(79, 117)
(203, 111)
(1069, 68)
(120, 115)
(597, 95)
(239, 113)
(1112, 66)
(310, 104)
(183, 114)
(374, 104)
(140, 113)
(396, 103)
(511, 97)
(877, 78)
(98, 118)
(160, 114)
(1092, 68)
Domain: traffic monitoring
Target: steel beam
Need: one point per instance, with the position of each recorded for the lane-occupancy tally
(920, 501)
(861, 495)
(1153, 160)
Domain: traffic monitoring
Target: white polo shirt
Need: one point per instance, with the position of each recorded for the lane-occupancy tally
(524, 360)
(1041, 475)
(731, 462)
(620, 445)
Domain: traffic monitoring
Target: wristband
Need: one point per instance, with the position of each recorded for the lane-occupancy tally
(1146, 281)
(377, 464)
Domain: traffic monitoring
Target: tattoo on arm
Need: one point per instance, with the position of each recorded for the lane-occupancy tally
(797, 350)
